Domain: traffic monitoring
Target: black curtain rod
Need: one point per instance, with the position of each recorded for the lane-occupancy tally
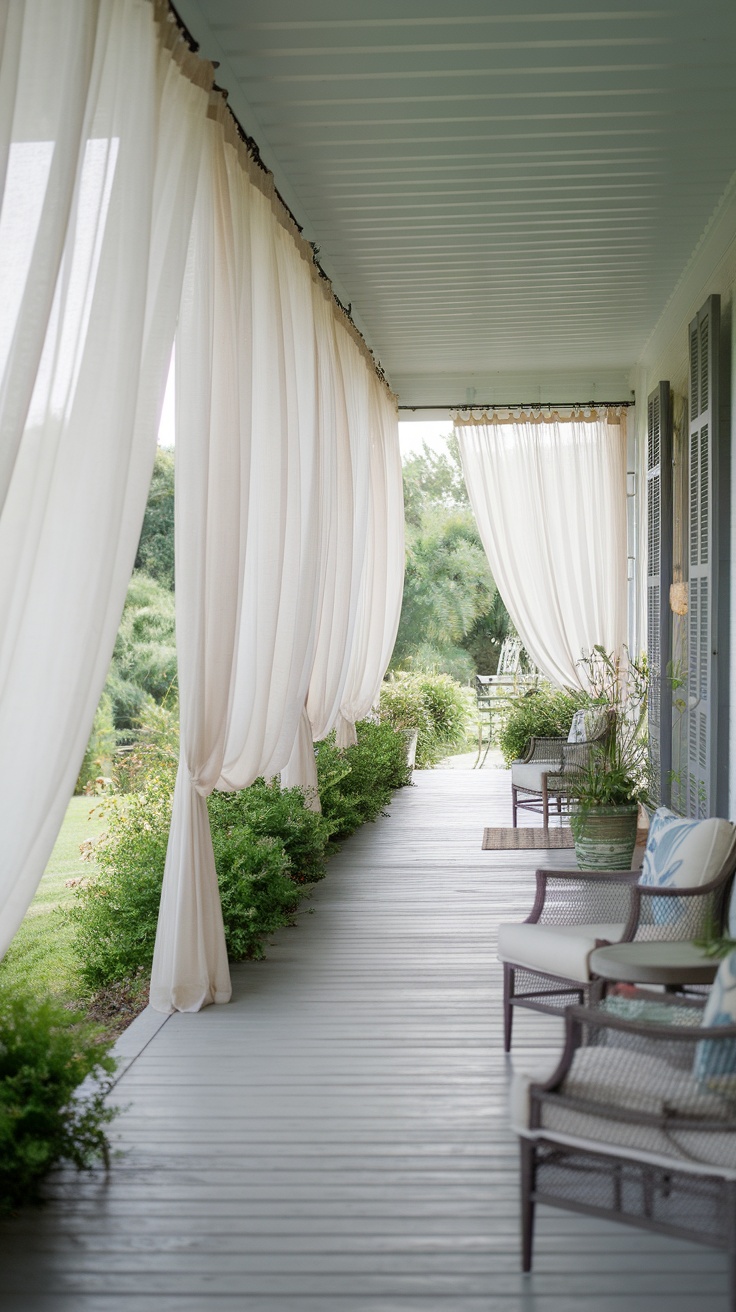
(523, 405)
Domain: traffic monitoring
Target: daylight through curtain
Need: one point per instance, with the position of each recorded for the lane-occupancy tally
(100, 134)
(549, 499)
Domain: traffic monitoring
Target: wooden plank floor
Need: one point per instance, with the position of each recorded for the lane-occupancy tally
(337, 1137)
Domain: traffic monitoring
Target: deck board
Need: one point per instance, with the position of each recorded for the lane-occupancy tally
(337, 1137)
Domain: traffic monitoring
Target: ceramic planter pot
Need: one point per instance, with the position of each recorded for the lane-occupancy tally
(605, 836)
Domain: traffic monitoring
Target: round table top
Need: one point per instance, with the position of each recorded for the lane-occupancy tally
(654, 963)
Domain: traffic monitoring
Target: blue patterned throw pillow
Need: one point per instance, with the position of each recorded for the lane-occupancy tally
(683, 854)
(715, 1061)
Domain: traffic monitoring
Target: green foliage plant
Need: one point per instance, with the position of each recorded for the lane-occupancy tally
(99, 755)
(155, 555)
(618, 772)
(438, 707)
(268, 845)
(356, 785)
(46, 1051)
(545, 712)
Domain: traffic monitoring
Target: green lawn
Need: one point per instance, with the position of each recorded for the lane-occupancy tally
(41, 953)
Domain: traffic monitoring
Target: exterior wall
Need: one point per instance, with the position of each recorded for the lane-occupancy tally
(712, 270)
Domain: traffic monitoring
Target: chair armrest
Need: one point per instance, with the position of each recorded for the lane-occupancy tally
(545, 749)
(676, 913)
(575, 897)
(659, 1060)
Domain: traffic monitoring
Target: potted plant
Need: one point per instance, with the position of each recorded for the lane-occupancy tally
(613, 779)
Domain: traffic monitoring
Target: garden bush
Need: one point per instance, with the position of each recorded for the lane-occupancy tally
(440, 709)
(545, 712)
(267, 843)
(46, 1051)
(356, 785)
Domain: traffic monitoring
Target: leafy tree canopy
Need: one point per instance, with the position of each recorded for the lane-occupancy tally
(452, 619)
(156, 547)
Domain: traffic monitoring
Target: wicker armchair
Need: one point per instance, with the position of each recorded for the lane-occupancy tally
(546, 770)
(628, 1128)
(546, 958)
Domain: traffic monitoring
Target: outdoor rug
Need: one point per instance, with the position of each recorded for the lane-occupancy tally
(536, 838)
(515, 840)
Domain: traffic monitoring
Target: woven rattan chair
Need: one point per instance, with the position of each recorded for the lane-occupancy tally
(546, 958)
(546, 771)
(628, 1128)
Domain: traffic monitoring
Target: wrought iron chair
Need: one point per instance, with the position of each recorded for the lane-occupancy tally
(546, 958)
(629, 1128)
(550, 763)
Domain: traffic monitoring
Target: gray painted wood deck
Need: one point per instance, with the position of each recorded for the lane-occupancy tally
(336, 1139)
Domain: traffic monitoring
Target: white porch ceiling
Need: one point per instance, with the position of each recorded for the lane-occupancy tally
(506, 194)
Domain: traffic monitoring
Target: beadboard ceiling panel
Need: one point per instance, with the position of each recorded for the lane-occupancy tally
(509, 190)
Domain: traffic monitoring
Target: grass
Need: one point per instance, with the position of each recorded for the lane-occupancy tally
(41, 953)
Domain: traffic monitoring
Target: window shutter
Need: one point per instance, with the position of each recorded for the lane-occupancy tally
(703, 599)
(659, 577)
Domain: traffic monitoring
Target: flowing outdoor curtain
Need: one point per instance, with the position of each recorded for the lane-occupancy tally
(382, 580)
(549, 499)
(347, 435)
(339, 569)
(248, 560)
(100, 135)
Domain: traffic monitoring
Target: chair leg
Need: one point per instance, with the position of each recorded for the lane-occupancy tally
(513, 806)
(545, 801)
(508, 1011)
(527, 1203)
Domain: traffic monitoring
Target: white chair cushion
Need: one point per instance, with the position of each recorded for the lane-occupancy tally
(555, 949)
(529, 776)
(598, 1074)
(684, 853)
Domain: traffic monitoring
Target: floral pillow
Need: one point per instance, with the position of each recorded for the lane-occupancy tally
(715, 1060)
(586, 724)
(682, 854)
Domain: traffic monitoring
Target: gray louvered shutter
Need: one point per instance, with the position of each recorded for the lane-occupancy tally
(659, 577)
(702, 745)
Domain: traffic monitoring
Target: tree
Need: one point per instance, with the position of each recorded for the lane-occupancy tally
(156, 546)
(144, 657)
(452, 619)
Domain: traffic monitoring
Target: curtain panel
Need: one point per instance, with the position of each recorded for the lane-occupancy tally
(549, 499)
(102, 112)
(268, 509)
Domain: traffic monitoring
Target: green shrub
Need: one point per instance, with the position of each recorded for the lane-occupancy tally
(356, 785)
(100, 750)
(544, 713)
(267, 845)
(46, 1052)
(433, 704)
(268, 811)
(116, 911)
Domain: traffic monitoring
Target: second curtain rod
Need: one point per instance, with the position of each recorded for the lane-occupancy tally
(523, 405)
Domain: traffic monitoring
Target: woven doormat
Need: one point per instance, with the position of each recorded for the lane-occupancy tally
(532, 838)
(515, 840)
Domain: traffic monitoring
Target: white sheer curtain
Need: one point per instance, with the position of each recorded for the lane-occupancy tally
(382, 580)
(550, 502)
(248, 483)
(99, 144)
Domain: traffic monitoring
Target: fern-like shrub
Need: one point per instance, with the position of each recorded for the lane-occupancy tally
(544, 713)
(46, 1052)
(268, 847)
(440, 709)
(356, 785)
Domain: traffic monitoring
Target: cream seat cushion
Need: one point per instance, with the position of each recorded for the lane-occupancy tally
(529, 774)
(599, 1075)
(555, 949)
